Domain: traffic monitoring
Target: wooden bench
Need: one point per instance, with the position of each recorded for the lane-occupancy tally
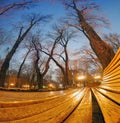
(51, 110)
(74, 107)
(108, 93)
(83, 112)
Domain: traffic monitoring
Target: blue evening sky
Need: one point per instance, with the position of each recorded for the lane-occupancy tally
(110, 10)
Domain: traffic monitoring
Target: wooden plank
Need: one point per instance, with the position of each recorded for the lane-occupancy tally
(110, 110)
(18, 112)
(112, 73)
(113, 96)
(113, 89)
(57, 114)
(60, 109)
(113, 62)
(83, 113)
(115, 82)
(114, 66)
(113, 79)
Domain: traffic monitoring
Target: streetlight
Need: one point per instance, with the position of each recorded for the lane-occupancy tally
(82, 78)
(11, 84)
(51, 86)
(97, 77)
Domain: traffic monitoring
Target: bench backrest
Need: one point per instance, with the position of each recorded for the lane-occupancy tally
(108, 93)
(111, 75)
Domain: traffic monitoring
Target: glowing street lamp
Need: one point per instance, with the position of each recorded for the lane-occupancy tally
(11, 84)
(81, 77)
(97, 77)
(60, 85)
(50, 85)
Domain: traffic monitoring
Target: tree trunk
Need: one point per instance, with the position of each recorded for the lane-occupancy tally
(3, 71)
(20, 68)
(66, 66)
(32, 80)
(40, 81)
(103, 50)
(37, 69)
(39, 76)
(5, 64)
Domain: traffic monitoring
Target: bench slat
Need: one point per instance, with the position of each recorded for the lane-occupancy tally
(12, 113)
(110, 110)
(113, 89)
(54, 114)
(83, 113)
(111, 95)
(115, 60)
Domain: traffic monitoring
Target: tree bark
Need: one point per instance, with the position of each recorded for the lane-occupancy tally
(6, 62)
(103, 50)
(66, 66)
(20, 68)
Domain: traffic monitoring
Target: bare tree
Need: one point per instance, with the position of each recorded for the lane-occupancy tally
(66, 37)
(36, 62)
(41, 65)
(80, 17)
(114, 40)
(62, 36)
(16, 5)
(29, 48)
(5, 38)
(92, 59)
(34, 19)
(24, 59)
(86, 57)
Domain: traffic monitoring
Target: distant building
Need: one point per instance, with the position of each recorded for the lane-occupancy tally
(13, 82)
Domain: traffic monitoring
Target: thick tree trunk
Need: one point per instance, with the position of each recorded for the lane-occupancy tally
(37, 69)
(103, 51)
(40, 81)
(32, 80)
(3, 71)
(39, 76)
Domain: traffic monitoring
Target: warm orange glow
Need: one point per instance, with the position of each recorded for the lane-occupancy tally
(81, 77)
(97, 77)
(11, 84)
(50, 85)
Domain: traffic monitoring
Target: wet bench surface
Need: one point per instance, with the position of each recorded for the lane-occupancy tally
(52, 110)
(108, 93)
(76, 106)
